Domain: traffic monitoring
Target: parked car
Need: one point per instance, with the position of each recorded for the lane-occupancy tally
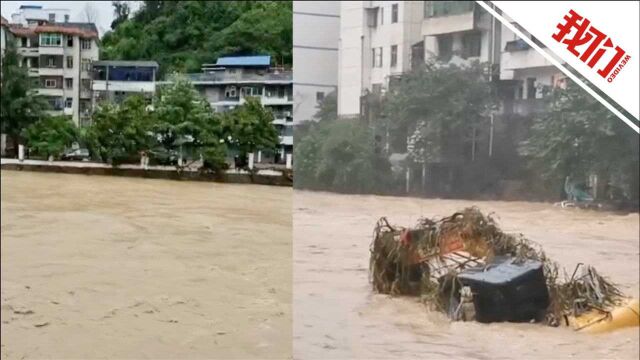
(76, 154)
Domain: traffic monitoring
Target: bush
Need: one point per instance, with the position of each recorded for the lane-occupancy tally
(50, 136)
(341, 156)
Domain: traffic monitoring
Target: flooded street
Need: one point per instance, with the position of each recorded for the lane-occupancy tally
(337, 316)
(112, 267)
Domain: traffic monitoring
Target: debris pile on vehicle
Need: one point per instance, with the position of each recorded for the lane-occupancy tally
(465, 266)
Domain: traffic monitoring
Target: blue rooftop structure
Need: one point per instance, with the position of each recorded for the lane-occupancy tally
(244, 61)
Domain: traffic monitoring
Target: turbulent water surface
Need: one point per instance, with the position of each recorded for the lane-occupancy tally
(110, 267)
(337, 316)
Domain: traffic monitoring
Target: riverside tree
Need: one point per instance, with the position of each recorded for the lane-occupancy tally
(19, 105)
(442, 107)
(50, 136)
(249, 127)
(119, 132)
(340, 156)
(184, 124)
(576, 137)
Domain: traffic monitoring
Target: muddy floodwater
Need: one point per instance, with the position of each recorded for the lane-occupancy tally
(338, 317)
(107, 267)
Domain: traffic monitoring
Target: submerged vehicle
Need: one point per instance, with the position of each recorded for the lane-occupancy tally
(465, 266)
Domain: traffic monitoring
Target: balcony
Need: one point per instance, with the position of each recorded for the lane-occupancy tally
(129, 86)
(68, 111)
(285, 140)
(51, 50)
(276, 100)
(34, 71)
(28, 51)
(50, 92)
(218, 77)
(522, 59)
(444, 17)
(51, 71)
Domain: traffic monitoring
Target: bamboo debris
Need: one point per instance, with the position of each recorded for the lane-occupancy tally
(421, 261)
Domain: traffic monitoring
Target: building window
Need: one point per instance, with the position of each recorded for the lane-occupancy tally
(50, 83)
(86, 65)
(51, 62)
(66, 18)
(52, 17)
(377, 60)
(68, 83)
(394, 55)
(85, 44)
(531, 88)
(69, 62)
(49, 39)
(446, 8)
(394, 13)
(23, 42)
(319, 96)
(85, 84)
(68, 103)
(376, 88)
(471, 45)
(230, 92)
(69, 41)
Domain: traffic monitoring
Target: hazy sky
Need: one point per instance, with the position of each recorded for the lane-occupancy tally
(103, 10)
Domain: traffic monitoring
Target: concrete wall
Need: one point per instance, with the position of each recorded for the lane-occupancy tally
(316, 27)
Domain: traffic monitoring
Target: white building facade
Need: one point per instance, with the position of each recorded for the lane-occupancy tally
(381, 39)
(33, 14)
(58, 57)
(315, 54)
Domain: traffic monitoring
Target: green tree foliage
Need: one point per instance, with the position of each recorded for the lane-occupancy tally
(50, 136)
(249, 128)
(121, 12)
(19, 106)
(444, 103)
(328, 107)
(184, 124)
(577, 137)
(182, 35)
(120, 132)
(340, 156)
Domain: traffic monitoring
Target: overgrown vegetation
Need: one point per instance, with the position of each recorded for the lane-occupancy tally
(340, 155)
(578, 137)
(182, 35)
(439, 114)
(50, 136)
(119, 133)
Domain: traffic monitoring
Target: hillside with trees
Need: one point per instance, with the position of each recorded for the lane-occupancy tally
(182, 35)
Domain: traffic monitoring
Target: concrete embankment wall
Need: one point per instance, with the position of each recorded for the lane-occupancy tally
(225, 177)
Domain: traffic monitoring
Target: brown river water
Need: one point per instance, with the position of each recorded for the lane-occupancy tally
(107, 267)
(337, 316)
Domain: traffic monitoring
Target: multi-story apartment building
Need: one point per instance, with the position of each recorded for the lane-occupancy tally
(114, 80)
(528, 74)
(32, 14)
(315, 54)
(58, 56)
(380, 40)
(230, 80)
